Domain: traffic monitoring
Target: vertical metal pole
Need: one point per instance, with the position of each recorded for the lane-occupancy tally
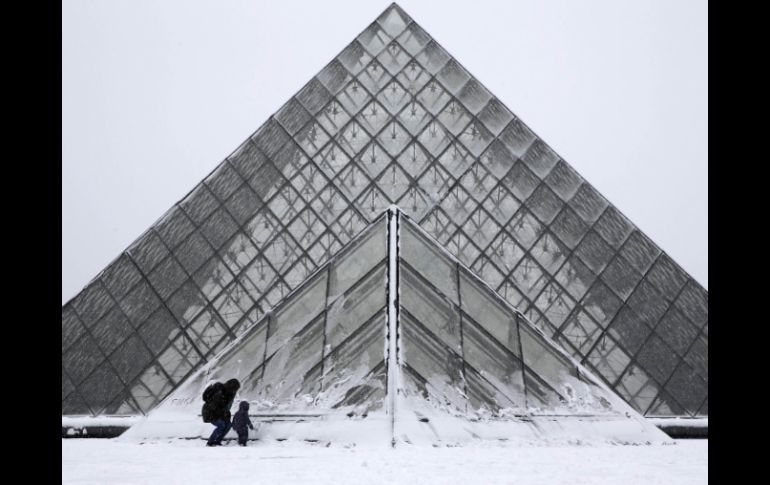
(393, 360)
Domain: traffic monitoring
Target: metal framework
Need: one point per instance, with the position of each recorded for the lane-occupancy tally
(393, 119)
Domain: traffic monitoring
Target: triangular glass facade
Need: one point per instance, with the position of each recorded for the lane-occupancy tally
(393, 119)
(460, 350)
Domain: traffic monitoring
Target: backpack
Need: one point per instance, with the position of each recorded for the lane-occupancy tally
(208, 405)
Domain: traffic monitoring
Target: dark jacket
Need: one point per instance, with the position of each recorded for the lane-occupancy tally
(241, 419)
(218, 399)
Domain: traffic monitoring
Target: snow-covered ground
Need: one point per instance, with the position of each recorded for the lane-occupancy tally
(189, 462)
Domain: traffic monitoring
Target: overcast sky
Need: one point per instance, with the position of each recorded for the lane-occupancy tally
(156, 93)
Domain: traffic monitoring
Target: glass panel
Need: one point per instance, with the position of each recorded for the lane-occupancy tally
(179, 359)
(430, 309)
(247, 356)
(501, 204)
(594, 252)
(687, 388)
(484, 269)
(601, 303)
(100, 388)
(613, 227)
(349, 311)
(374, 77)
(676, 331)
(434, 138)
(456, 160)
(476, 138)
(219, 228)
(270, 138)
(71, 327)
(111, 330)
(267, 181)
(581, 331)
(453, 76)
(698, 357)
(167, 277)
(440, 368)
(288, 376)
(313, 96)
(474, 96)
(621, 277)
(504, 252)
(667, 276)
(549, 252)
(292, 116)
(374, 39)
(554, 369)
(544, 203)
(637, 388)
(394, 139)
(81, 359)
(628, 330)
(130, 359)
(498, 159)
(246, 160)
(358, 260)
(423, 256)
(193, 252)
(413, 78)
(394, 58)
(588, 204)
(393, 20)
(564, 180)
(517, 137)
(372, 203)
(540, 158)
(569, 227)
(159, 329)
(92, 303)
(489, 361)
(555, 304)
(433, 97)
(639, 251)
(520, 181)
(233, 303)
(433, 57)
(353, 138)
(201, 202)
(413, 39)
(455, 117)
(499, 321)
(354, 57)
(462, 247)
(648, 303)
(243, 204)
(120, 276)
(529, 278)
(332, 118)
(657, 359)
(354, 97)
(495, 116)
(693, 301)
(334, 76)
(478, 181)
(148, 251)
(373, 117)
(609, 359)
(481, 228)
(303, 307)
(222, 182)
(525, 228)
(352, 372)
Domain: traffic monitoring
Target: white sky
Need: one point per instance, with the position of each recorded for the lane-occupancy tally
(156, 94)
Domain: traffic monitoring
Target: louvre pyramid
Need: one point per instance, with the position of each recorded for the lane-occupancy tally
(392, 120)
(393, 332)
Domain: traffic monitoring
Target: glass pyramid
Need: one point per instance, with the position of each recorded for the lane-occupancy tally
(391, 332)
(392, 120)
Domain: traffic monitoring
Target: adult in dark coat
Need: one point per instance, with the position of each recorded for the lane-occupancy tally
(242, 423)
(218, 399)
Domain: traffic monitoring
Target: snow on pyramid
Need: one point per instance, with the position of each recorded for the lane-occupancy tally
(392, 120)
(394, 340)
